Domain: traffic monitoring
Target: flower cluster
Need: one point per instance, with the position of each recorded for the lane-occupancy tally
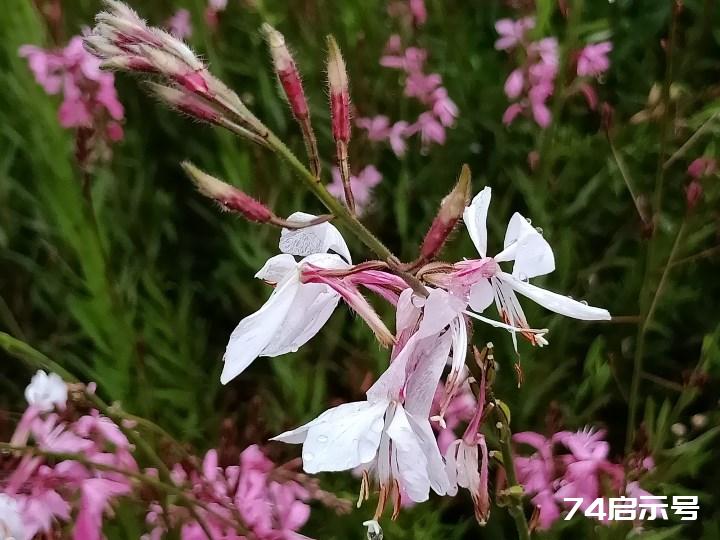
(90, 103)
(440, 111)
(45, 488)
(362, 185)
(530, 85)
(269, 503)
(570, 465)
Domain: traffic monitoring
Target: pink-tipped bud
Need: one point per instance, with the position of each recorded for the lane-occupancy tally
(229, 197)
(451, 210)
(185, 103)
(693, 194)
(339, 93)
(287, 72)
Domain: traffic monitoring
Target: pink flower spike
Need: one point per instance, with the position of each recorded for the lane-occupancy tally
(512, 32)
(593, 59)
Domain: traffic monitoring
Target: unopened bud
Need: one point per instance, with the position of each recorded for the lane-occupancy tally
(339, 93)
(287, 72)
(185, 103)
(229, 197)
(693, 194)
(451, 210)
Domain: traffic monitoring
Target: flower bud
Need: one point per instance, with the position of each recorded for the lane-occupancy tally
(287, 72)
(227, 196)
(451, 210)
(339, 93)
(693, 194)
(185, 103)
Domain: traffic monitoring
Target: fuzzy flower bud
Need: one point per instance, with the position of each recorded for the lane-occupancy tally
(693, 194)
(451, 210)
(287, 72)
(185, 103)
(339, 93)
(227, 196)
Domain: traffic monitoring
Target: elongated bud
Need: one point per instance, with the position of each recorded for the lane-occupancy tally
(287, 72)
(339, 92)
(451, 210)
(227, 196)
(292, 86)
(185, 103)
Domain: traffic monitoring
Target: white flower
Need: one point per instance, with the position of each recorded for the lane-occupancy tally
(465, 470)
(11, 523)
(390, 431)
(46, 391)
(295, 311)
(532, 256)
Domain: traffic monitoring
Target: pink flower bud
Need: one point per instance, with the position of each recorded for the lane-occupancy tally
(339, 93)
(287, 72)
(693, 194)
(451, 210)
(703, 166)
(229, 197)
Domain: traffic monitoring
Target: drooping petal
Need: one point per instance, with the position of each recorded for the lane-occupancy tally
(341, 438)
(451, 467)
(312, 306)
(430, 358)
(255, 331)
(276, 268)
(322, 238)
(428, 443)
(556, 302)
(412, 466)
(440, 308)
(475, 218)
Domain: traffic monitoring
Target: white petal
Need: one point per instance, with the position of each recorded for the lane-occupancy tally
(341, 438)
(392, 381)
(407, 313)
(430, 358)
(320, 238)
(475, 218)
(532, 254)
(482, 295)
(428, 443)
(312, 306)
(556, 302)
(276, 268)
(411, 461)
(255, 331)
(451, 467)
(440, 308)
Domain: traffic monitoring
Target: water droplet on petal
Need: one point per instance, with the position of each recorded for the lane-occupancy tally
(529, 220)
(523, 277)
(322, 439)
(417, 301)
(308, 456)
(539, 229)
(584, 302)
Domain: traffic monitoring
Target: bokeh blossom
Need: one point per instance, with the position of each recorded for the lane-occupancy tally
(362, 185)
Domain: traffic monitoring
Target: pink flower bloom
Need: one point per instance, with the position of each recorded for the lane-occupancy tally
(702, 166)
(96, 494)
(397, 137)
(511, 113)
(431, 131)
(514, 84)
(547, 50)
(362, 185)
(421, 86)
(89, 96)
(593, 59)
(179, 24)
(444, 108)
(512, 32)
(377, 127)
(419, 12)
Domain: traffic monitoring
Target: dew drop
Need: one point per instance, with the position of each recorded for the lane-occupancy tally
(523, 277)
(584, 302)
(417, 301)
(322, 439)
(529, 220)
(539, 229)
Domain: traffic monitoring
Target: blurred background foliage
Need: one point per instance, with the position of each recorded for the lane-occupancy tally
(140, 291)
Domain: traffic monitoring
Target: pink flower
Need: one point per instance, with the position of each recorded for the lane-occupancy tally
(362, 185)
(431, 131)
(419, 12)
(512, 32)
(514, 84)
(593, 59)
(444, 107)
(511, 113)
(96, 494)
(702, 166)
(377, 127)
(179, 24)
(397, 137)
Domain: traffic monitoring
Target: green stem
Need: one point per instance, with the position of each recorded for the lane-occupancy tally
(516, 507)
(645, 320)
